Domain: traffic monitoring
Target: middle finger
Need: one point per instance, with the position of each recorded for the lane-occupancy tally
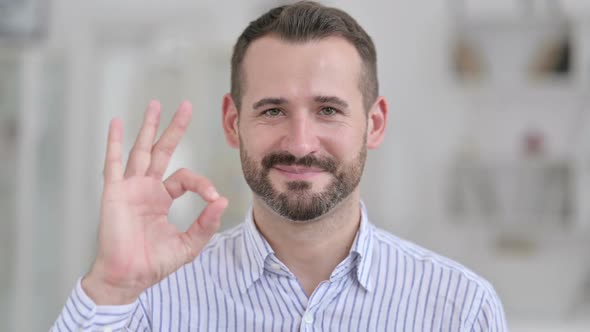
(165, 146)
(140, 155)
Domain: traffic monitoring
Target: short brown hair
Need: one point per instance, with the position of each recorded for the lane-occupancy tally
(302, 22)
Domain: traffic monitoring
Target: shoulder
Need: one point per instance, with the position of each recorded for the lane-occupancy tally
(443, 286)
(401, 249)
(441, 269)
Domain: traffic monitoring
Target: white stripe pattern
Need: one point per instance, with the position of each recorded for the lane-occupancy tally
(238, 284)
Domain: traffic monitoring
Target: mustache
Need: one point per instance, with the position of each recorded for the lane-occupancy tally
(286, 158)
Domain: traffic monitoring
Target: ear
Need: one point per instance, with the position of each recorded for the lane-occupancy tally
(230, 121)
(377, 120)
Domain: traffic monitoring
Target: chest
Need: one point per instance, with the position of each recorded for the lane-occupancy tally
(278, 303)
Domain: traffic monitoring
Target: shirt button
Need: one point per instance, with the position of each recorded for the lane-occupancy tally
(308, 318)
(276, 267)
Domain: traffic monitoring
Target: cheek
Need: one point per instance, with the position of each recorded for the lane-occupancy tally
(344, 142)
(258, 140)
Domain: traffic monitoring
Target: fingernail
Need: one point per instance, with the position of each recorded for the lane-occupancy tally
(212, 193)
(154, 104)
(187, 104)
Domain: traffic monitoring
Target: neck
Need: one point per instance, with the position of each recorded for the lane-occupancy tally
(311, 250)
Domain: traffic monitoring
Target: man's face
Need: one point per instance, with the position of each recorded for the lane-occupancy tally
(302, 127)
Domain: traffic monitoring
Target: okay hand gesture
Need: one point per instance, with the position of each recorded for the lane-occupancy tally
(138, 246)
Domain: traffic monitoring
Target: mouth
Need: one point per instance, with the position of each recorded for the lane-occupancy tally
(294, 172)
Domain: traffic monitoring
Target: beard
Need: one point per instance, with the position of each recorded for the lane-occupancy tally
(299, 203)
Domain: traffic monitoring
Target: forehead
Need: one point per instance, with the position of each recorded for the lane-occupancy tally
(275, 67)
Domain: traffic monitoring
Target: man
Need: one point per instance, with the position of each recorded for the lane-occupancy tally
(303, 110)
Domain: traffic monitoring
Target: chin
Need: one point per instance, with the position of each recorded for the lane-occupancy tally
(304, 207)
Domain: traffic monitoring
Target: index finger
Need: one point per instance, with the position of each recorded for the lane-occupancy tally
(165, 146)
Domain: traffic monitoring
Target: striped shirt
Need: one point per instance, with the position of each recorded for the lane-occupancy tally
(238, 284)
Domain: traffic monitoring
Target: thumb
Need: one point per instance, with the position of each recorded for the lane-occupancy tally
(201, 231)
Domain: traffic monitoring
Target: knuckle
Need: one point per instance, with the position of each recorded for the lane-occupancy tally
(156, 174)
(166, 150)
(137, 153)
(206, 184)
(131, 170)
(200, 182)
(181, 126)
(150, 122)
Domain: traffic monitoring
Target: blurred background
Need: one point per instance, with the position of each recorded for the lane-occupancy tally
(486, 159)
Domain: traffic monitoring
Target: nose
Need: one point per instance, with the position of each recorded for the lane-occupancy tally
(301, 137)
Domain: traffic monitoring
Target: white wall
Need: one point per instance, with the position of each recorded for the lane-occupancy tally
(405, 180)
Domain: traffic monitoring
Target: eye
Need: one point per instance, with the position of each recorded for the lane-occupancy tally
(328, 111)
(272, 112)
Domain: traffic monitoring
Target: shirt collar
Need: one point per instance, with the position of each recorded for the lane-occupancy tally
(362, 246)
(256, 250)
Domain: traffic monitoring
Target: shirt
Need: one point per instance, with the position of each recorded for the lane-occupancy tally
(238, 284)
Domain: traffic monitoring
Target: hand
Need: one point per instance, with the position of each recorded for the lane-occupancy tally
(137, 245)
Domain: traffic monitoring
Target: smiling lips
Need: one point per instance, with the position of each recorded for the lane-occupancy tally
(295, 172)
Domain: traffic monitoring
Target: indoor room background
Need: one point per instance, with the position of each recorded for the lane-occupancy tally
(486, 157)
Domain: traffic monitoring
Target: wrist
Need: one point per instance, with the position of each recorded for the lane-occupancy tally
(102, 292)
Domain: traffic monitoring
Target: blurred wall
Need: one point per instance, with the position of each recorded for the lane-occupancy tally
(108, 58)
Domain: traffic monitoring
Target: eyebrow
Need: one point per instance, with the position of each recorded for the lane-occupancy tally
(269, 101)
(318, 99)
(331, 100)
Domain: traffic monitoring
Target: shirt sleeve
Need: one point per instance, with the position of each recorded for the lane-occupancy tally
(80, 313)
(490, 316)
